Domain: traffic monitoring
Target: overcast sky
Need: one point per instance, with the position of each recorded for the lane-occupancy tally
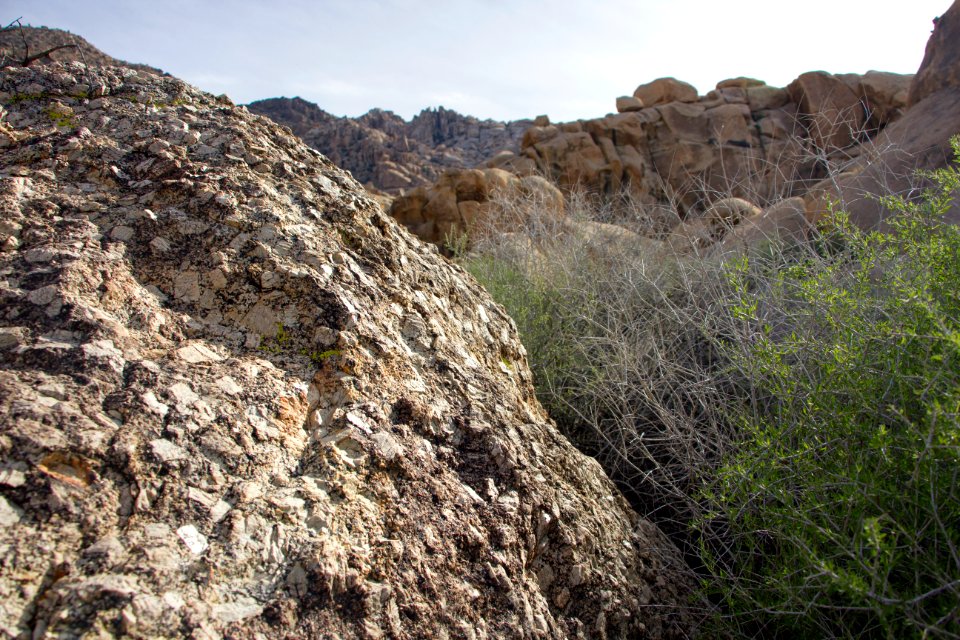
(503, 59)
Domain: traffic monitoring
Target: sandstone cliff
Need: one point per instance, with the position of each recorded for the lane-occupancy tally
(236, 399)
(387, 153)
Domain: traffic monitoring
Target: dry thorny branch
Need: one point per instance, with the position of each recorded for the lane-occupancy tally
(29, 58)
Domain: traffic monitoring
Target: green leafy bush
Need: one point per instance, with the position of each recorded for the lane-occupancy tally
(839, 507)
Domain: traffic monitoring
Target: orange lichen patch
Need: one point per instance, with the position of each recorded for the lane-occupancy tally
(68, 468)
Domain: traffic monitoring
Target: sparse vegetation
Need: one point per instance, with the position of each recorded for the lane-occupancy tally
(283, 343)
(790, 416)
(60, 116)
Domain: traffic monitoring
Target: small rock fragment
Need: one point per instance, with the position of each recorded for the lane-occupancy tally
(195, 541)
(167, 451)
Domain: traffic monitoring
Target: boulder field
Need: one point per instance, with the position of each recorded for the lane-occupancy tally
(674, 153)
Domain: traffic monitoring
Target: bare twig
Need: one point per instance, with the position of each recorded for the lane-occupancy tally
(28, 60)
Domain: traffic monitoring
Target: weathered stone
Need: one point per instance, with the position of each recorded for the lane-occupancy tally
(10, 515)
(731, 123)
(258, 457)
(835, 115)
(920, 140)
(197, 353)
(698, 234)
(665, 90)
(729, 211)
(765, 97)
(11, 337)
(686, 121)
(940, 69)
(884, 95)
(784, 221)
(626, 104)
(465, 202)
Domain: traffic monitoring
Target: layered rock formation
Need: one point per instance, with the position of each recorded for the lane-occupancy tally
(237, 400)
(744, 139)
(385, 152)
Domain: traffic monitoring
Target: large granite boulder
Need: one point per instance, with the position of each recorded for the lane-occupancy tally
(665, 90)
(237, 400)
(831, 110)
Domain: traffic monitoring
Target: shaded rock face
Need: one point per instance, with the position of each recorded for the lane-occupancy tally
(744, 139)
(387, 153)
(940, 68)
(236, 399)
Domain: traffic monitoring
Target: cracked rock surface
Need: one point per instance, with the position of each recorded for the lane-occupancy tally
(237, 400)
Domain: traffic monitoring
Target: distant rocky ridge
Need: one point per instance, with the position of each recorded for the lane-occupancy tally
(389, 154)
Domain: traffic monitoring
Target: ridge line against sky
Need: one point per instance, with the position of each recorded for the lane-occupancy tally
(501, 59)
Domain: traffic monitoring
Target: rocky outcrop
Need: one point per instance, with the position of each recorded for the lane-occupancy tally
(389, 154)
(744, 139)
(237, 400)
(940, 69)
(831, 112)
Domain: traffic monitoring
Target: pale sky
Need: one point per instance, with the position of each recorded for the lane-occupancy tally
(502, 59)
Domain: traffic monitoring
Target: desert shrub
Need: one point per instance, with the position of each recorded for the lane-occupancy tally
(789, 417)
(840, 502)
(621, 338)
